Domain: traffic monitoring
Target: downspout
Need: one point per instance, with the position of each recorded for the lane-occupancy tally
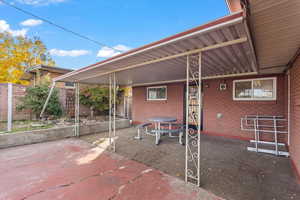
(289, 107)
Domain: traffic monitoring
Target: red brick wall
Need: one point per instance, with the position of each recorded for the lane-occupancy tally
(3, 100)
(295, 115)
(143, 109)
(18, 91)
(216, 101)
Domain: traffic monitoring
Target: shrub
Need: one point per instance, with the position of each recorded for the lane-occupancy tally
(97, 99)
(35, 99)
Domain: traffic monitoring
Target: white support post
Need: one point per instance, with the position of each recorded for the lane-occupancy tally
(289, 108)
(48, 98)
(193, 114)
(77, 111)
(109, 112)
(187, 118)
(124, 107)
(9, 106)
(275, 136)
(199, 112)
(255, 134)
(114, 114)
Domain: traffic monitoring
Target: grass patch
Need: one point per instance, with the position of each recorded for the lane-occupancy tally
(28, 128)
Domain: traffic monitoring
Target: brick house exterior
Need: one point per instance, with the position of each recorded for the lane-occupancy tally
(172, 107)
(214, 102)
(295, 116)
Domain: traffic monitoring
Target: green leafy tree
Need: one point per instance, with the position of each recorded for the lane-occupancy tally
(36, 97)
(97, 99)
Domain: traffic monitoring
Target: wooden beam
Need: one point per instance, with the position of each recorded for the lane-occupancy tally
(211, 47)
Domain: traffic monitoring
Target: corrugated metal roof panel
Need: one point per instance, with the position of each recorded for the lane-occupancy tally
(231, 59)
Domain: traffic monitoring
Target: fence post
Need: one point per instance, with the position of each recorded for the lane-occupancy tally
(9, 106)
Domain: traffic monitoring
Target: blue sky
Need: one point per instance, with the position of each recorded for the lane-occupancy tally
(118, 23)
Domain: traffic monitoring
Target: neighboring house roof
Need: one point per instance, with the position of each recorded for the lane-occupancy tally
(28, 75)
(49, 69)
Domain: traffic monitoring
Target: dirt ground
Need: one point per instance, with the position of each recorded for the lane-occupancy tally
(227, 169)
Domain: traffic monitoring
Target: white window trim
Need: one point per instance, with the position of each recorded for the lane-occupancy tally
(164, 99)
(274, 98)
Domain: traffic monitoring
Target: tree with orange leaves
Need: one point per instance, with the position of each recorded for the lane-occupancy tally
(19, 53)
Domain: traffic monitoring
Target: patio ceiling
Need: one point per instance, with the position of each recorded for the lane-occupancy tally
(276, 32)
(226, 51)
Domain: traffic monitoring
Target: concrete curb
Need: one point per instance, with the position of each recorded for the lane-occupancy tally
(45, 135)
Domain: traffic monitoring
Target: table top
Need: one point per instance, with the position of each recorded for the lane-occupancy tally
(162, 119)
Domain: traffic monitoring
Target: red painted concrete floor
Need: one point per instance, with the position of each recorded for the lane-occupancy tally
(73, 170)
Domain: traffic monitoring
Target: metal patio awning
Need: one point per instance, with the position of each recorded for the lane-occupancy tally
(225, 44)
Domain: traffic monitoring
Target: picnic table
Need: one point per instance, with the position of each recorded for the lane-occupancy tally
(158, 130)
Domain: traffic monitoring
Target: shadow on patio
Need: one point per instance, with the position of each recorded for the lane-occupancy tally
(227, 168)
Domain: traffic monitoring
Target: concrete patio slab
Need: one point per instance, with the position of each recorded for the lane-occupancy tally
(72, 169)
(228, 170)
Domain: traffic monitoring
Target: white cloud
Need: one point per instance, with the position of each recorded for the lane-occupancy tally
(31, 22)
(72, 53)
(106, 52)
(5, 27)
(40, 2)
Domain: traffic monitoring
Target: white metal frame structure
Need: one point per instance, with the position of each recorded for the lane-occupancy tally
(218, 49)
(273, 125)
(112, 111)
(77, 111)
(192, 156)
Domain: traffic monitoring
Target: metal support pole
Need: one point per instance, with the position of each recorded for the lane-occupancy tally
(114, 114)
(124, 107)
(275, 136)
(255, 134)
(77, 111)
(187, 118)
(289, 108)
(199, 112)
(48, 98)
(109, 129)
(9, 106)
